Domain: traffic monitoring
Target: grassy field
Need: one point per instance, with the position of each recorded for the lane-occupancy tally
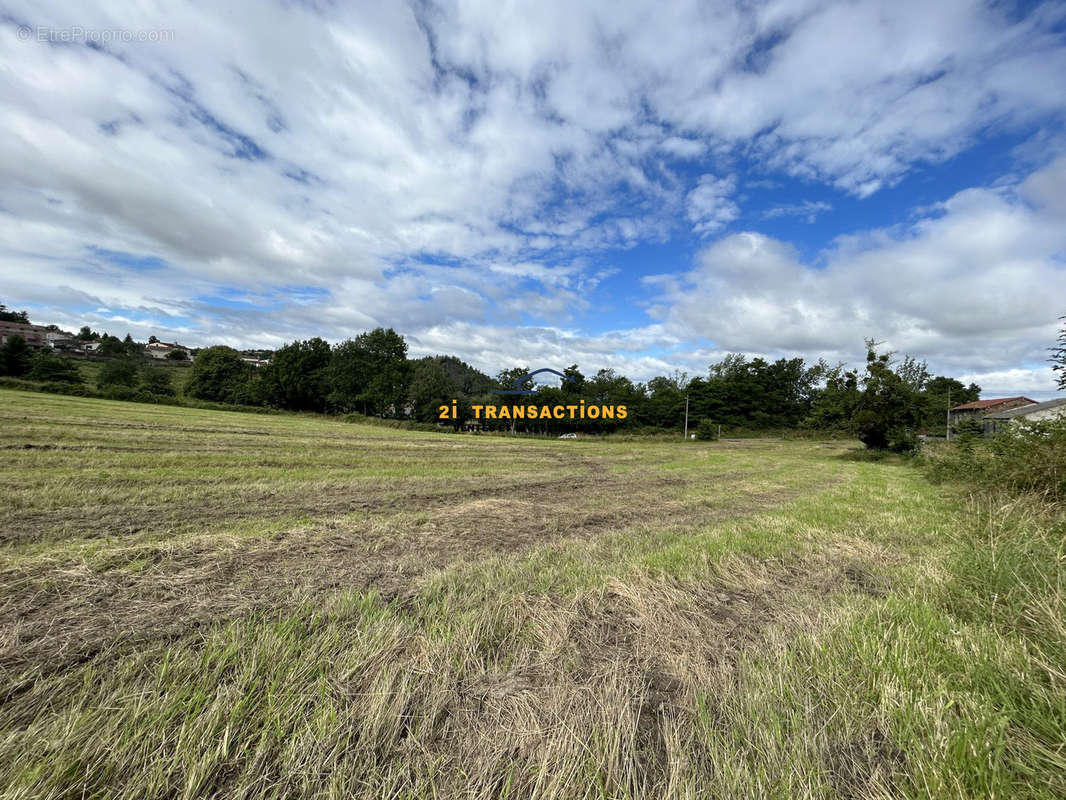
(210, 604)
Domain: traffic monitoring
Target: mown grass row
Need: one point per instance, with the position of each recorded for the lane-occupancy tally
(873, 636)
(572, 672)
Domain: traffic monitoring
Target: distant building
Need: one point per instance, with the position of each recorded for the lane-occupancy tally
(255, 362)
(61, 340)
(1036, 412)
(38, 336)
(164, 349)
(979, 408)
(33, 335)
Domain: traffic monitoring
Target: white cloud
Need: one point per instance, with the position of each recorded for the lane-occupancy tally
(709, 205)
(808, 210)
(976, 286)
(496, 347)
(429, 143)
(1038, 383)
(436, 167)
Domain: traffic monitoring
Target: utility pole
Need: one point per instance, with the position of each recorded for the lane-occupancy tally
(686, 417)
(947, 430)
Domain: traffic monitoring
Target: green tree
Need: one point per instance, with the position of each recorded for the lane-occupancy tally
(549, 396)
(706, 431)
(430, 389)
(914, 373)
(49, 367)
(296, 378)
(835, 404)
(507, 379)
(15, 356)
(1058, 355)
(118, 372)
(177, 355)
(757, 393)
(468, 382)
(574, 386)
(350, 371)
(13, 316)
(86, 334)
(609, 387)
(157, 381)
(461, 383)
(889, 410)
(219, 374)
(111, 347)
(132, 348)
(664, 406)
(369, 374)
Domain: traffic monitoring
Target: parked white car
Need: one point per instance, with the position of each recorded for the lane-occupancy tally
(568, 436)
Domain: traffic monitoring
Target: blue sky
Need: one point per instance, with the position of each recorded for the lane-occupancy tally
(644, 186)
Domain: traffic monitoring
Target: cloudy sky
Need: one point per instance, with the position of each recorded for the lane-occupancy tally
(643, 186)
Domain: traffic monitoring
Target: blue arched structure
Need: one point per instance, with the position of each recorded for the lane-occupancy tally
(519, 381)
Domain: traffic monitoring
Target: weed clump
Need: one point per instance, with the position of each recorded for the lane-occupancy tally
(1027, 458)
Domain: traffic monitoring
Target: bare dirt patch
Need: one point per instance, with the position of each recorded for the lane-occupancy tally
(866, 766)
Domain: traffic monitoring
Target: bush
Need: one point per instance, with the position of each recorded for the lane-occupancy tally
(706, 431)
(126, 393)
(969, 429)
(157, 381)
(1026, 457)
(116, 391)
(52, 368)
(120, 372)
(20, 384)
(15, 357)
(73, 389)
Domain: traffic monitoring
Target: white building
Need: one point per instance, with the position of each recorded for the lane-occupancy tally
(60, 340)
(164, 349)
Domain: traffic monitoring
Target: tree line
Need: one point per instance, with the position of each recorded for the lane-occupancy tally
(886, 403)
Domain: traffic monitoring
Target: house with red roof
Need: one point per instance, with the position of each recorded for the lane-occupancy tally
(979, 408)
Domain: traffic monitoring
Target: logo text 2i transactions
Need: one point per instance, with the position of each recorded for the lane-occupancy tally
(579, 410)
